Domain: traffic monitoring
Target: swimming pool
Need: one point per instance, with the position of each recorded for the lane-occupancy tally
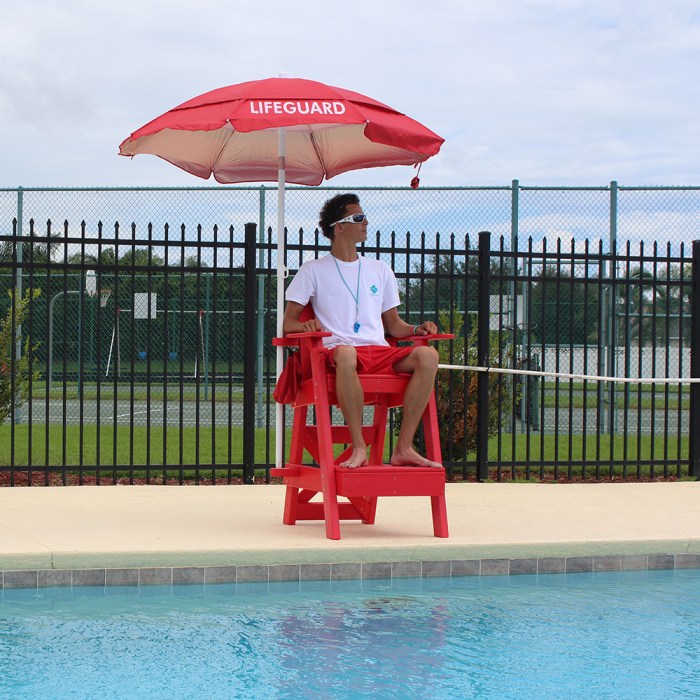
(602, 635)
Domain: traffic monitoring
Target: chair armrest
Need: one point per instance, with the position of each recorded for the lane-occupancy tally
(293, 339)
(426, 338)
(309, 334)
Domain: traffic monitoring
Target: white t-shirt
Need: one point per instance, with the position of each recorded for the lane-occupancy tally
(332, 289)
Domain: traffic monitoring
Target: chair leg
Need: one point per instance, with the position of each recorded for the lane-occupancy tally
(291, 499)
(372, 514)
(366, 506)
(296, 451)
(331, 515)
(325, 457)
(439, 509)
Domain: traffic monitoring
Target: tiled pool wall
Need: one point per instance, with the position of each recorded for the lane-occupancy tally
(145, 576)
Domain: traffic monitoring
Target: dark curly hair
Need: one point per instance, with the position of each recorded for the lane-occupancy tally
(334, 210)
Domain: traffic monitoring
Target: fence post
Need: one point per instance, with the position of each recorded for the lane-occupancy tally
(482, 351)
(693, 446)
(19, 292)
(611, 332)
(249, 355)
(513, 286)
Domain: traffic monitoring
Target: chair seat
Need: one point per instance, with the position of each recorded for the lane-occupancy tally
(374, 386)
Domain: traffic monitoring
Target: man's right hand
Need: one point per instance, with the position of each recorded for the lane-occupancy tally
(310, 326)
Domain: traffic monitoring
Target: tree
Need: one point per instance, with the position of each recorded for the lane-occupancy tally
(446, 282)
(655, 307)
(14, 372)
(564, 310)
(37, 248)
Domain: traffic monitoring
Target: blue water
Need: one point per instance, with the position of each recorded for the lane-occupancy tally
(618, 635)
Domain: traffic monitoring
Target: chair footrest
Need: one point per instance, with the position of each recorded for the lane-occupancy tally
(390, 480)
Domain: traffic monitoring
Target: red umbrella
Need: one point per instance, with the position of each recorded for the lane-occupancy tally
(284, 129)
(232, 133)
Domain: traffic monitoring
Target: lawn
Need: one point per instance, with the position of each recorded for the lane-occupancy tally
(203, 450)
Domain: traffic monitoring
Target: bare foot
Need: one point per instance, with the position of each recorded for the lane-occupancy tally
(410, 458)
(358, 458)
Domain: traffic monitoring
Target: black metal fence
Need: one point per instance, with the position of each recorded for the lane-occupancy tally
(144, 351)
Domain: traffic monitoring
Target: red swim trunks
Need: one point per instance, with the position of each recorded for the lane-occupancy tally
(374, 359)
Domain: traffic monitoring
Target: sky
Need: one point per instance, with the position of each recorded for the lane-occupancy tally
(549, 92)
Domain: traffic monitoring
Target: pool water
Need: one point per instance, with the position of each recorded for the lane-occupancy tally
(603, 635)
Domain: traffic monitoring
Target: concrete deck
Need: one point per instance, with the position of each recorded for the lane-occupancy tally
(195, 527)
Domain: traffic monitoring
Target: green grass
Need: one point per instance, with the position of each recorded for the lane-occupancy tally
(186, 446)
(141, 392)
(125, 446)
(644, 396)
(549, 448)
(638, 396)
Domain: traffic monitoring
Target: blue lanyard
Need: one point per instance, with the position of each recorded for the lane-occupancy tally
(356, 295)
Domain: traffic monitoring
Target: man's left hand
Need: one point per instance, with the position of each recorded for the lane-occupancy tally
(425, 328)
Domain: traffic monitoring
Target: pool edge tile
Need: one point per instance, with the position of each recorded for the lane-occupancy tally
(346, 571)
(633, 562)
(495, 567)
(188, 574)
(252, 573)
(121, 577)
(406, 569)
(579, 565)
(20, 579)
(89, 577)
(551, 565)
(436, 568)
(660, 561)
(466, 567)
(283, 572)
(343, 571)
(314, 572)
(523, 566)
(607, 562)
(374, 570)
(219, 574)
(687, 561)
(155, 576)
(55, 577)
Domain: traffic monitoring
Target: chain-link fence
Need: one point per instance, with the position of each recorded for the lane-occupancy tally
(139, 334)
(517, 212)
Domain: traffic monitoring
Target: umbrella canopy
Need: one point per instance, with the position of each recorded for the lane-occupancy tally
(285, 129)
(232, 133)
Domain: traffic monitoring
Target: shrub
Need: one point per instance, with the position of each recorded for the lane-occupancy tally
(456, 395)
(14, 372)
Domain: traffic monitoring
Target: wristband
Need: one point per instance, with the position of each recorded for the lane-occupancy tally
(415, 329)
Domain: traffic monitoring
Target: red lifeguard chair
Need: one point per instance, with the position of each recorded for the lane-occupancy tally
(317, 436)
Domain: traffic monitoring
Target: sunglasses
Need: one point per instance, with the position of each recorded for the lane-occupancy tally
(352, 219)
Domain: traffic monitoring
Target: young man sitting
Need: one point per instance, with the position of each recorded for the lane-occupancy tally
(356, 299)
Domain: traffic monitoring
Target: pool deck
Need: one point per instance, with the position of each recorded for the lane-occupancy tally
(155, 534)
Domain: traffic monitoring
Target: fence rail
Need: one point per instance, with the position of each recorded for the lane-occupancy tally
(144, 351)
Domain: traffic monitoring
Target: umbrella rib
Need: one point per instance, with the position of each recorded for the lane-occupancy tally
(223, 147)
(317, 150)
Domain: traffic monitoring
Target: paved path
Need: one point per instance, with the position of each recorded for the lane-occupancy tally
(91, 527)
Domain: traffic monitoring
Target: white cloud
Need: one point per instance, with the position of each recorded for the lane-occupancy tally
(546, 91)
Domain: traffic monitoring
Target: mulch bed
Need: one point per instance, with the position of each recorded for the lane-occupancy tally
(57, 478)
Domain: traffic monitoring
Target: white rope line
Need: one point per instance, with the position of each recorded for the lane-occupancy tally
(581, 377)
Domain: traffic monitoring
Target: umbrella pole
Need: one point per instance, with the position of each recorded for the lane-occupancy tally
(281, 271)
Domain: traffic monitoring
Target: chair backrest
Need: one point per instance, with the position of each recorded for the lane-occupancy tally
(307, 313)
